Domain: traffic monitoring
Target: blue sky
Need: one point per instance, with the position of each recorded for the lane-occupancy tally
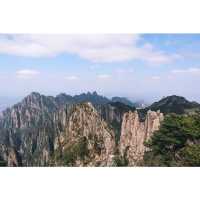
(142, 66)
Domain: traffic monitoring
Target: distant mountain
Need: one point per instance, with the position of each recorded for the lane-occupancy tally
(172, 104)
(94, 98)
(81, 130)
(123, 100)
(126, 101)
(63, 99)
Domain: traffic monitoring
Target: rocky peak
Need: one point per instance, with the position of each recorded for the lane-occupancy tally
(134, 133)
(63, 99)
(174, 104)
(97, 140)
(95, 93)
(33, 110)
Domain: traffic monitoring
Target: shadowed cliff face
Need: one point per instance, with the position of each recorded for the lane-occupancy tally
(113, 113)
(38, 132)
(134, 133)
(48, 131)
(27, 131)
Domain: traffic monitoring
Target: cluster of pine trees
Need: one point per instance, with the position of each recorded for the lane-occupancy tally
(177, 143)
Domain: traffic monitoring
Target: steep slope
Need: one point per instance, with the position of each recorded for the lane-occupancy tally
(174, 104)
(59, 131)
(176, 143)
(32, 132)
(134, 133)
(27, 131)
(171, 104)
(86, 140)
(113, 113)
(34, 110)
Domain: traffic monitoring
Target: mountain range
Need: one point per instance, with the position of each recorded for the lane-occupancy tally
(81, 130)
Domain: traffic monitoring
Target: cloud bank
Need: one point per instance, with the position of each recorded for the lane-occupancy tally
(100, 48)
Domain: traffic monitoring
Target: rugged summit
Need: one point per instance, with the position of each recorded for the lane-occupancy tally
(61, 131)
(174, 104)
(134, 133)
(39, 131)
(95, 140)
(27, 131)
(34, 110)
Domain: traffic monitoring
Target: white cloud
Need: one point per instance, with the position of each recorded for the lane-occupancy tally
(103, 76)
(155, 77)
(186, 71)
(27, 73)
(71, 78)
(99, 48)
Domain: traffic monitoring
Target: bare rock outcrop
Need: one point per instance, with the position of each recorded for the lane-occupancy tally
(134, 133)
(85, 127)
(47, 131)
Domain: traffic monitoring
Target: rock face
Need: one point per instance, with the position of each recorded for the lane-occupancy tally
(27, 131)
(134, 133)
(113, 113)
(60, 131)
(85, 127)
(33, 131)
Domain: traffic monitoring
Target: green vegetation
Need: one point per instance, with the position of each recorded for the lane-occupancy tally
(119, 160)
(76, 151)
(3, 163)
(177, 143)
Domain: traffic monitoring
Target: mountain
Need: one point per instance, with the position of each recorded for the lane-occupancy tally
(174, 104)
(38, 130)
(171, 104)
(113, 113)
(134, 133)
(86, 139)
(60, 131)
(137, 104)
(63, 99)
(94, 98)
(122, 100)
(27, 131)
(70, 131)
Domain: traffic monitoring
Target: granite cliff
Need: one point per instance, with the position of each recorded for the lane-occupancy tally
(86, 139)
(37, 132)
(61, 131)
(134, 133)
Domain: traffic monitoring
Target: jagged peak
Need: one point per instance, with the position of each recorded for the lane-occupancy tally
(95, 93)
(63, 95)
(84, 104)
(34, 94)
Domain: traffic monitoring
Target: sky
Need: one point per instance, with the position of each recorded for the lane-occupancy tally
(137, 66)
